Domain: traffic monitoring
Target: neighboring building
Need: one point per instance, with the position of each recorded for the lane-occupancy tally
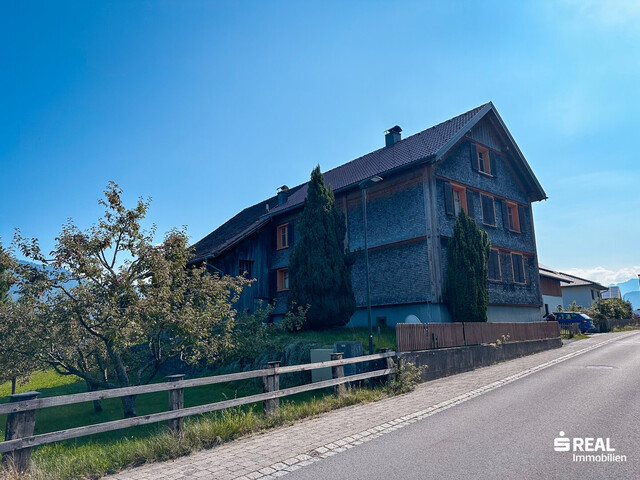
(612, 292)
(469, 162)
(551, 287)
(574, 289)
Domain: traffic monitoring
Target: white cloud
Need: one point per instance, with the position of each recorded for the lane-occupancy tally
(604, 275)
(608, 13)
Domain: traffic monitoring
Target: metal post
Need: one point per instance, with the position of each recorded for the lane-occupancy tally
(176, 401)
(271, 384)
(337, 372)
(366, 260)
(20, 425)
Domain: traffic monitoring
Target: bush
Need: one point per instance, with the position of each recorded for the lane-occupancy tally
(295, 319)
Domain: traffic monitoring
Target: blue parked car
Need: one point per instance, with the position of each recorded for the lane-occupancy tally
(585, 322)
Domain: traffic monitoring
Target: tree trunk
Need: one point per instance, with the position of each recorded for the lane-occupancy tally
(97, 404)
(129, 406)
(13, 385)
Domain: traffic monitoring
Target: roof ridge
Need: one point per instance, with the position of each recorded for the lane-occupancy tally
(480, 107)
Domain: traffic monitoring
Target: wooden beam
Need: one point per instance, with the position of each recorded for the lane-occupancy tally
(35, 440)
(162, 387)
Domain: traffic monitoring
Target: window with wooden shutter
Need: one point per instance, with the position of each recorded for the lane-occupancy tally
(488, 210)
(495, 272)
(517, 262)
(448, 199)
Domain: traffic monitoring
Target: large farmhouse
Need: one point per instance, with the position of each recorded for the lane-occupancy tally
(470, 162)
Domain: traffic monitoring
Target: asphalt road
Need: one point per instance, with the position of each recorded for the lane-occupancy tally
(509, 432)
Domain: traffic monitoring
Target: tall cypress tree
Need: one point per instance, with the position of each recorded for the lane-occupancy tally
(318, 272)
(467, 271)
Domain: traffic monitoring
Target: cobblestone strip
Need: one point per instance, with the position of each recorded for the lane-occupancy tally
(286, 449)
(344, 444)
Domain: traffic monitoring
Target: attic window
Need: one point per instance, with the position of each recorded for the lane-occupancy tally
(484, 162)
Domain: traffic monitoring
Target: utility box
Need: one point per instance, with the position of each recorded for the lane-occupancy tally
(350, 350)
(321, 355)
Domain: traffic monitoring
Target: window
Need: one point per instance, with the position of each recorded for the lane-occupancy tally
(488, 210)
(592, 295)
(495, 273)
(517, 262)
(245, 268)
(283, 236)
(283, 279)
(513, 217)
(459, 199)
(484, 162)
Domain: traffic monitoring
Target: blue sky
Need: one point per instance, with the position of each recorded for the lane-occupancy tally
(208, 107)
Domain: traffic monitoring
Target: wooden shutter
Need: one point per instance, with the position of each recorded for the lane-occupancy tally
(505, 214)
(474, 156)
(493, 156)
(273, 284)
(290, 234)
(494, 265)
(522, 213)
(448, 199)
(470, 205)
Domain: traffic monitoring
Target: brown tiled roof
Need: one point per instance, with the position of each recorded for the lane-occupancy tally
(416, 147)
(430, 143)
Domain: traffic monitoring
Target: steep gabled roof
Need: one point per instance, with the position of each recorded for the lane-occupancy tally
(429, 145)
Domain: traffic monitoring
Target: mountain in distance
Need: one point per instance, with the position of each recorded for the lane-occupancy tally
(628, 286)
(630, 291)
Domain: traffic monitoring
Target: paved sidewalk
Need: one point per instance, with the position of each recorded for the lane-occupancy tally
(279, 451)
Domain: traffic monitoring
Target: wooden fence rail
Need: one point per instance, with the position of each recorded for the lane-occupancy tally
(412, 337)
(19, 438)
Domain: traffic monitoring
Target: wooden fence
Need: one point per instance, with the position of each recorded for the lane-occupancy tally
(21, 410)
(412, 336)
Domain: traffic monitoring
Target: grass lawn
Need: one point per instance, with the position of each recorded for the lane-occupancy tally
(69, 416)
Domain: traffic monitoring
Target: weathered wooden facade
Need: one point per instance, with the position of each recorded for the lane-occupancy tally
(469, 162)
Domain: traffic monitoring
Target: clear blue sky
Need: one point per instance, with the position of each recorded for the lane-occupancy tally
(208, 107)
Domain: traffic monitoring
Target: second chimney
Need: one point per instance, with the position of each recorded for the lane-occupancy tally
(392, 136)
(283, 194)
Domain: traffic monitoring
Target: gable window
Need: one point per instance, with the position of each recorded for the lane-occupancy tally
(283, 279)
(283, 236)
(488, 210)
(245, 268)
(495, 272)
(517, 262)
(513, 217)
(484, 162)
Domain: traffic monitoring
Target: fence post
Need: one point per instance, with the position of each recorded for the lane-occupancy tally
(271, 384)
(20, 425)
(176, 401)
(337, 372)
(389, 364)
